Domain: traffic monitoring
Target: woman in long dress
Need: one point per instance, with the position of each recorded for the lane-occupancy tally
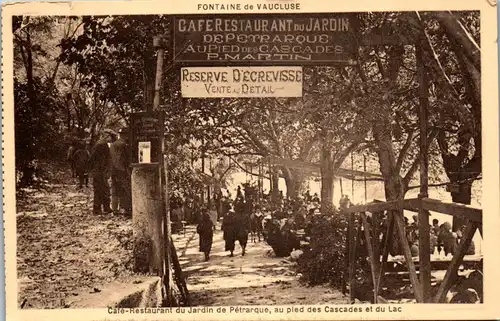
(230, 232)
(206, 231)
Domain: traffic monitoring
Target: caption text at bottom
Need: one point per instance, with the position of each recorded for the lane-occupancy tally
(259, 310)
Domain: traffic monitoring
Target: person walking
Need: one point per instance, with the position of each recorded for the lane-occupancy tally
(206, 231)
(213, 212)
(120, 174)
(230, 231)
(81, 160)
(241, 225)
(100, 161)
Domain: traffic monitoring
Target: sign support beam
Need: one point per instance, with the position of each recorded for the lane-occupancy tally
(149, 223)
(423, 215)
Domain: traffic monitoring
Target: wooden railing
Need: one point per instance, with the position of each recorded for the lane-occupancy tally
(395, 219)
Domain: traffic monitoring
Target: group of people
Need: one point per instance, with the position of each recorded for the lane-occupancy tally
(279, 221)
(108, 160)
(443, 241)
(235, 226)
(275, 222)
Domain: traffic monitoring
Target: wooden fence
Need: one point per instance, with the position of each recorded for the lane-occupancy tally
(378, 253)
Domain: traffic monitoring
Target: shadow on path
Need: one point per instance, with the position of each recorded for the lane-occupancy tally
(258, 278)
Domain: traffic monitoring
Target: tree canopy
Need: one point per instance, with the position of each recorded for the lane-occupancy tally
(93, 71)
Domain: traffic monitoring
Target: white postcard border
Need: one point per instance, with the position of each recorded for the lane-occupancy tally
(490, 309)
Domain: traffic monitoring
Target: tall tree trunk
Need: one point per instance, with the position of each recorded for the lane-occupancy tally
(149, 96)
(291, 190)
(454, 31)
(275, 191)
(148, 81)
(462, 195)
(27, 168)
(393, 182)
(327, 178)
(459, 168)
(294, 182)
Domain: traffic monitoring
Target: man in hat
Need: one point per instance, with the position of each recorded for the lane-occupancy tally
(100, 160)
(120, 173)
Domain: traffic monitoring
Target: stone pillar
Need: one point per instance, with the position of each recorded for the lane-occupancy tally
(147, 213)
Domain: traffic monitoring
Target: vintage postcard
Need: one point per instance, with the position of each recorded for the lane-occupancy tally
(251, 159)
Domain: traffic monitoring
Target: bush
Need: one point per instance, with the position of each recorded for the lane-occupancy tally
(37, 128)
(325, 259)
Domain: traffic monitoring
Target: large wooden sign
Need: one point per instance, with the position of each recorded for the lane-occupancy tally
(294, 39)
(146, 133)
(216, 82)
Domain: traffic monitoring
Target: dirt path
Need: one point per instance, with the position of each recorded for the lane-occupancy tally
(63, 249)
(255, 279)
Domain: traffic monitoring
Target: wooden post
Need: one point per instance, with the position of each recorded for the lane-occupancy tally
(353, 255)
(180, 278)
(352, 180)
(351, 245)
(417, 289)
(387, 243)
(374, 261)
(376, 238)
(167, 232)
(159, 45)
(202, 168)
(147, 206)
(261, 178)
(209, 196)
(423, 215)
(270, 177)
(345, 275)
(364, 169)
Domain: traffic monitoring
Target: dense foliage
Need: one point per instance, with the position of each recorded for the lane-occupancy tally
(36, 128)
(324, 260)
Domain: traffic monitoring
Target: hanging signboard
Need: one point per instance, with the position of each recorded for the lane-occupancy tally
(220, 82)
(280, 39)
(146, 131)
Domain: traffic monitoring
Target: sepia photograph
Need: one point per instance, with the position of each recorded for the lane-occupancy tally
(269, 164)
